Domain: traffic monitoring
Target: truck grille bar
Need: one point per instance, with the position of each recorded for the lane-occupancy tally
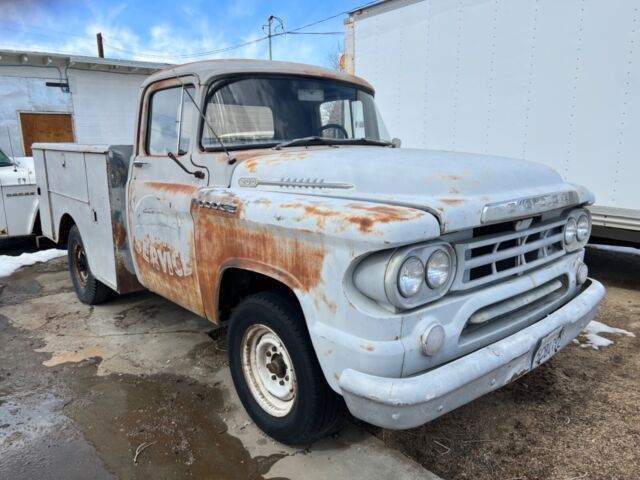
(488, 258)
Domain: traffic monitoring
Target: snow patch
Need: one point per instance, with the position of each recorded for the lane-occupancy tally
(596, 341)
(615, 248)
(9, 264)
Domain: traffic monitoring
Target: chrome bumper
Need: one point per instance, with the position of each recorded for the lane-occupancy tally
(400, 403)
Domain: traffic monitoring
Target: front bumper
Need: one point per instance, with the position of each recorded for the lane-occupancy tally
(400, 403)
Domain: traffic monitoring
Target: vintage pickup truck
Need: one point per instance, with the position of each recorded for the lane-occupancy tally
(267, 196)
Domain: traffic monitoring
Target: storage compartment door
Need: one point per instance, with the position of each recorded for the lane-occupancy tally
(42, 192)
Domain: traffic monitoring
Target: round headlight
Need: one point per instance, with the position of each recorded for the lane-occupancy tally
(410, 277)
(570, 231)
(582, 231)
(438, 269)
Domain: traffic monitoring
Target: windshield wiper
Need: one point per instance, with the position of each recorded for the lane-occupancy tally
(313, 140)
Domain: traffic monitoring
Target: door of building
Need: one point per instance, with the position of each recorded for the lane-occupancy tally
(45, 127)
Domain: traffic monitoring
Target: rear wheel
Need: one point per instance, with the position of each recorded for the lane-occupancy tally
(88, 289)
(276, 372)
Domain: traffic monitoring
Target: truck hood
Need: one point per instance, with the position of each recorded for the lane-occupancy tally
(455, 187)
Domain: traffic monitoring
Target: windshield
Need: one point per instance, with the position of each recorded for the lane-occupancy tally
(4, 160)
(268, 111)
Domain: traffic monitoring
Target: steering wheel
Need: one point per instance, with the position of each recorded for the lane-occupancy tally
(335, 126)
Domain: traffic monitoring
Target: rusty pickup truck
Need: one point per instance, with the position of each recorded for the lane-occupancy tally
(268, 196)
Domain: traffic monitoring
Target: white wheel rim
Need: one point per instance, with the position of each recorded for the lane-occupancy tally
(268, 370)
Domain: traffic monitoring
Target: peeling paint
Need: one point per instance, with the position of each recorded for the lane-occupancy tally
(225, 241)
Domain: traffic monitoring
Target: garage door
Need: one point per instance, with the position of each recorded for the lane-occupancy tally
(45, 127)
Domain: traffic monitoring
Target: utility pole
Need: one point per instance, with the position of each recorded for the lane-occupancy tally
(100, 47)
(280, 25)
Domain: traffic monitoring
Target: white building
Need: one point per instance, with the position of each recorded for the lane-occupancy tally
(46, 97)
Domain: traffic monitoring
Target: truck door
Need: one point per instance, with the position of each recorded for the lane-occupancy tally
(160, 195)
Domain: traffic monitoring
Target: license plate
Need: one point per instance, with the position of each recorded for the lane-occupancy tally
(549, 345)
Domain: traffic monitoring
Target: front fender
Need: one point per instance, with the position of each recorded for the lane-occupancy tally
(309, 243)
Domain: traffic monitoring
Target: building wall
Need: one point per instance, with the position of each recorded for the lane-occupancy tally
(103, 104)
(23, 89)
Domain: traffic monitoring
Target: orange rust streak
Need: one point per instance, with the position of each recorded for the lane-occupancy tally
(171, 187)
(455, 178)
(453, 201)
(372, 216)
(119, 234)
(224, 240)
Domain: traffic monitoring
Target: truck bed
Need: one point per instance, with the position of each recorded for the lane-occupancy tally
(86, 185)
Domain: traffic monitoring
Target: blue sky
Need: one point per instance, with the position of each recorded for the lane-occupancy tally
(172, 31)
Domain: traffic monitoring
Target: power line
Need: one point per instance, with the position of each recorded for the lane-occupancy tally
(217, 51)
(294, 31)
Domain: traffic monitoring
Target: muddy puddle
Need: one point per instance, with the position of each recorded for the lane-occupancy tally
(81, 425)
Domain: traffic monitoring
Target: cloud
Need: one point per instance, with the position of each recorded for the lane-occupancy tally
(195, 28)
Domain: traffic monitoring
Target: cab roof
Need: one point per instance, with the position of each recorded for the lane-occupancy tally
(207, 69)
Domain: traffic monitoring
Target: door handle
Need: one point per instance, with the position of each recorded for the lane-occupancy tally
(138, 163)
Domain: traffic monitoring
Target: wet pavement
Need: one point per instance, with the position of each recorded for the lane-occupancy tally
(83, 388)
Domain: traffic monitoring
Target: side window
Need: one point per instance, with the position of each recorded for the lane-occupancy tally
(170, 120)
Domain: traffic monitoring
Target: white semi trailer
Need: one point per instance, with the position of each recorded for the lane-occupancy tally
(548, 81)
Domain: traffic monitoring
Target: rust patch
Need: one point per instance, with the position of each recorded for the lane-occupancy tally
(451, 178)
(166, 271)
(119, 235)
(223, 241)
(251, 165)
(368, 348)
(251, 162)
(321, 213)
(263, 202)
(331, 306)
(380, 214)
(453, 201)
(365, 221)
(172, 187)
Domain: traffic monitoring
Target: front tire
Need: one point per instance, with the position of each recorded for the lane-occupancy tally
(88, 289)
(276, 372)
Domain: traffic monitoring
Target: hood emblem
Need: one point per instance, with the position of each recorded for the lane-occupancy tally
(525, 207)
(253, 182)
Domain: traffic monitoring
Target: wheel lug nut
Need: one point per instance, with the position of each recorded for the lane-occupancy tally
(268, 354)
(273, 377)
(274, 348)
(286, 378)
(281, 382)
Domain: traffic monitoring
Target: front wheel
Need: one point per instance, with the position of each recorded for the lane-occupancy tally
(276, 373)
(88, 289)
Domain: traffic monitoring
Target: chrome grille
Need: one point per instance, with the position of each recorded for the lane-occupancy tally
(488, 258)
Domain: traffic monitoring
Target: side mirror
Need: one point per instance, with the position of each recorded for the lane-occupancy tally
(396, 142)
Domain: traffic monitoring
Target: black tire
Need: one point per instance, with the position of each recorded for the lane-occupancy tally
(88, 289)
(316, 409)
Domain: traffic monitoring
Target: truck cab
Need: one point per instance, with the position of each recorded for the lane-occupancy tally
(268, 196)
(18, 202)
